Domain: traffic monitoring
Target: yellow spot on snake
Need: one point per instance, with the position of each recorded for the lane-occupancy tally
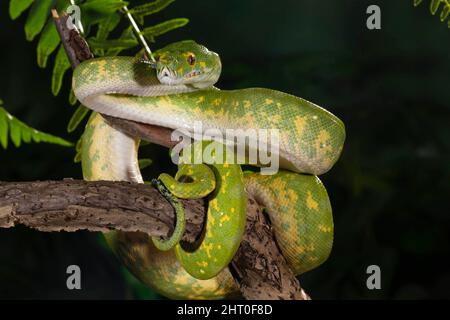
(208, 248)
(182, 279)
(202, 64)
(214, 204)
(322, 143)
(269, 101)
(101, 68)
(202, 264)
(164, 103)
(224, 218)
(200, 100)
(247, 103)
(323, 228)
(299, 125)
(217, 102)
(311, 203)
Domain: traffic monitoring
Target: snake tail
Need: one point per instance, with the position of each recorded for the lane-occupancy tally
(174, 239)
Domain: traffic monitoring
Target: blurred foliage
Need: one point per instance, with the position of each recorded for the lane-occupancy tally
(388, 191)
(435, 5)
(19, 132)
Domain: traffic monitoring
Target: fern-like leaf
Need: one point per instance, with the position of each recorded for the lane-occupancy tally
(16, 7)
(164, 27)
(112, 44)
(72, 98)
(20, 132)
(77, 117)
(78, 150)
(62, 64)
(96, 11)
(104, 29)
(37, 17)
(435, 5)
(48, 42)
(150, 8)
(144, 163)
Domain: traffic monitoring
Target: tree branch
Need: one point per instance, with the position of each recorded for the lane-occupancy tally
(259, 268)
(71, 205)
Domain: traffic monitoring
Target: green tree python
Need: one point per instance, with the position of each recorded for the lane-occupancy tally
(175, 93)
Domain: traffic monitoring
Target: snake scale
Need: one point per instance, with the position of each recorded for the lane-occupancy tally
(175, 94)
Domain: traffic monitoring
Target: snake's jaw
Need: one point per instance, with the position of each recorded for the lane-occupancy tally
(167, 76)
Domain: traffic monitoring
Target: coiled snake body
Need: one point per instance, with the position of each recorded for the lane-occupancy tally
(176, 95)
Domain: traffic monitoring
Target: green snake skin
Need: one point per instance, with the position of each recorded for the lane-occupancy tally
(176, 95)
(177, 234)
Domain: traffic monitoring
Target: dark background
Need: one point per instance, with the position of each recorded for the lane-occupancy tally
(389, 191)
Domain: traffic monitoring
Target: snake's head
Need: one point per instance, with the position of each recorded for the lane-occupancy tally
(187, 62)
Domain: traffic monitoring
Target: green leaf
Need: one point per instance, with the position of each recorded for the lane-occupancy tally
(112, 44)
(37, 16)
(14, 132)
(144, 163)
(77, 117)
(445, 12)
(95, 11)
(16, 7)
(3, 128)
(150, 8)
(48, 42)
(61, 5)
(72, 98)
(78, 150)
(434, 6)
(19, 132)
(105, 28)
(77, 157)
(79, 144)
(164, 27)
(26, 136)
(127, 34)
(62, 64)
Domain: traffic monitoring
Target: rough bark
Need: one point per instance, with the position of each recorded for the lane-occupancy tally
(258, 267)
(71, 205)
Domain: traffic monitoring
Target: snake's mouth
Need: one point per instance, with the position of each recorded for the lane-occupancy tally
(167, 76)
(192, 74)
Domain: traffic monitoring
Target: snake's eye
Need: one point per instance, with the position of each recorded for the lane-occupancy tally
(191, 59)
